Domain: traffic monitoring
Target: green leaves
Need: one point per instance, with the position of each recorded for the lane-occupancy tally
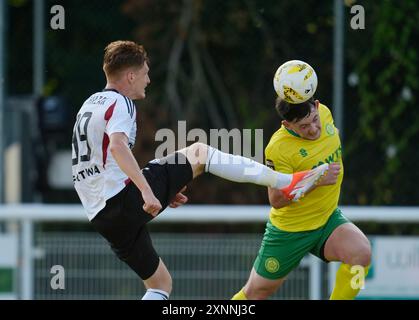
(388, 115)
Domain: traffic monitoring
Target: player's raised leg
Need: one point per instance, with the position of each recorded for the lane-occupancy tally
(204, 158)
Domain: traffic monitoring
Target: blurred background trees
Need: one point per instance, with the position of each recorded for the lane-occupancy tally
(212, 64)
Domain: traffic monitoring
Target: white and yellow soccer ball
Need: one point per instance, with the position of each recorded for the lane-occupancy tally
(295, 81)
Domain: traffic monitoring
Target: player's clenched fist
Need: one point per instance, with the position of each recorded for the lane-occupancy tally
(151, 204)
(332, 174)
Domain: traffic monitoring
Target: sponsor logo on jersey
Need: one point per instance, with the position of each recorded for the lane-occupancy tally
(303, 152)
(83, 174)
(334, 157)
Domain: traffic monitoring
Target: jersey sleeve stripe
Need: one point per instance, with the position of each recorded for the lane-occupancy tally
(109, 111)
(105, 144)
(128, 105)
(105, 140)
(132, 108)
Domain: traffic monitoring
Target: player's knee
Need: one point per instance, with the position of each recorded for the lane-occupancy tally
(365, 256)
(362, 256)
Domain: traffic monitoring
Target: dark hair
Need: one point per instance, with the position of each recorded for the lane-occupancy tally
(120, 55)
(294, 112)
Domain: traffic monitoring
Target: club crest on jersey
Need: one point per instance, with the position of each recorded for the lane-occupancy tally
(330, 129)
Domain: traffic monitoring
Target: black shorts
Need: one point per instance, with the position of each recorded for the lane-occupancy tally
(123, 222)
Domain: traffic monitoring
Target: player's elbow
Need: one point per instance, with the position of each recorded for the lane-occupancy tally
(118, 142)
(115, 147)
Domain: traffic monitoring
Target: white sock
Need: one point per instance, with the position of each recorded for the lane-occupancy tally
(155, 294)
(241, 169)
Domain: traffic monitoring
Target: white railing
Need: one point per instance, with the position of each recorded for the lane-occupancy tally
(204, 213)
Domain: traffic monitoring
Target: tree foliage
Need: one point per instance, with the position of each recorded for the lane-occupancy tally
(382, 149)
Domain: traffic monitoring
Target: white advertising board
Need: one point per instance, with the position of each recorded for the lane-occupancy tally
(394, 272)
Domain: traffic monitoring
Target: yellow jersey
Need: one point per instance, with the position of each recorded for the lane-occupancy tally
(288, 153)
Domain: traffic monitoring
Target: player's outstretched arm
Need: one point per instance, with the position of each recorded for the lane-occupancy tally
(123, 156)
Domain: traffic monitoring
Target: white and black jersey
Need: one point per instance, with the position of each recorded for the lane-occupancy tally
(96, 175)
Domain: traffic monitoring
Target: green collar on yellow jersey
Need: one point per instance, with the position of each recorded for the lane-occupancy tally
(292, 133)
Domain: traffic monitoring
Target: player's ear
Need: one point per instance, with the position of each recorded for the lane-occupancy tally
(130, 76)
(317, 103)
(285, 123)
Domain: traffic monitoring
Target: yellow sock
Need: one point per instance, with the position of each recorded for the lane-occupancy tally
(239, 296)
(348, 283)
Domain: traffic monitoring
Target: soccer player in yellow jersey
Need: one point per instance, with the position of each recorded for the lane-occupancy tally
(314, 224)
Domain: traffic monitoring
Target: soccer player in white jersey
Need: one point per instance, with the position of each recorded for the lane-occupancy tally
(120, 198)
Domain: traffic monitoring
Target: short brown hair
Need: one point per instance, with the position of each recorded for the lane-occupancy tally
(294, 112)
(120, 55)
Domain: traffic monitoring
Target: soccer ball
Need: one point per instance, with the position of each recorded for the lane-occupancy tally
(295, 81)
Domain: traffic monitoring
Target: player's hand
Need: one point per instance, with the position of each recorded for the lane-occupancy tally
(332, 175)
(151, 204)
(179, 199)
